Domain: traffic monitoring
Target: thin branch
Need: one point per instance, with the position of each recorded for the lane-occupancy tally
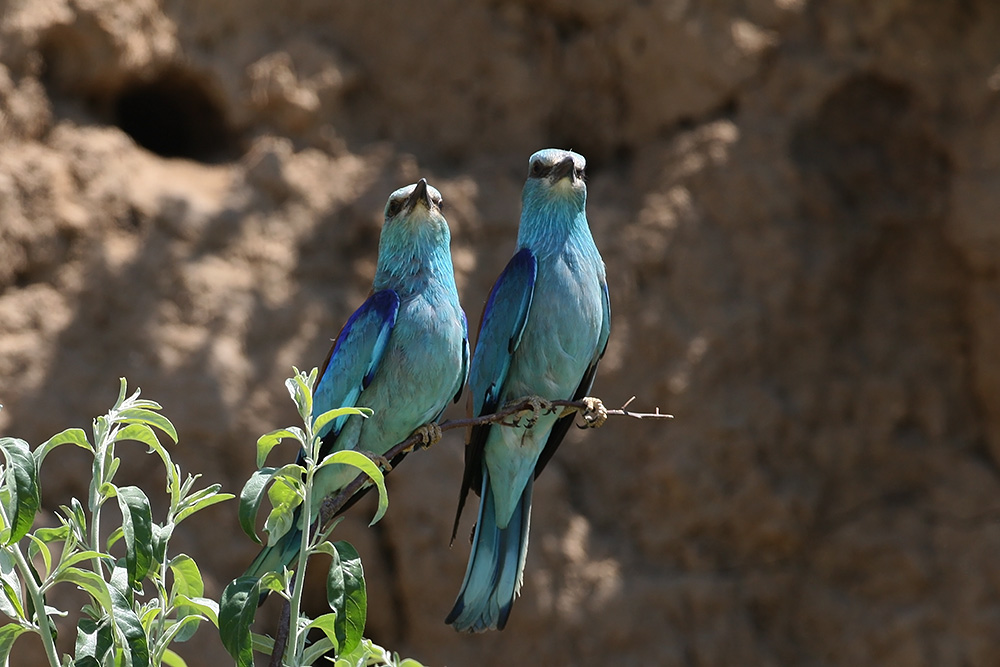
(591, 409)
(281, 636)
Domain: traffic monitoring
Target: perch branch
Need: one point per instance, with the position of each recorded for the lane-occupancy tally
(592, 411)
(281, 636)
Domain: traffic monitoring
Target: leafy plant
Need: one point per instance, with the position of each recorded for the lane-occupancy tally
(290, 491)
(140, 603)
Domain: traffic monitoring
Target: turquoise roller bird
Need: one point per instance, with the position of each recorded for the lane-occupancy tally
(544, 329)
(404, 353)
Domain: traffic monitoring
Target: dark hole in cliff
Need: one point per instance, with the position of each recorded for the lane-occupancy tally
(871, 154)
(173, 115)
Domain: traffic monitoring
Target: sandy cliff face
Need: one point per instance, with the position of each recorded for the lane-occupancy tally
(798, 206)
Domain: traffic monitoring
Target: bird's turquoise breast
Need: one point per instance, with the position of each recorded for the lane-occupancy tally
(562, 328)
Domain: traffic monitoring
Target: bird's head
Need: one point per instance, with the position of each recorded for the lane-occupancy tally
(416, 205)
(556, 175)
(415, 234)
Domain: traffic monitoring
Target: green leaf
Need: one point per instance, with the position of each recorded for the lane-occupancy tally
(187, 584)
(262, 643)
(336, 413)
(208, 607)
(326, 623)
(116, 534)
(88, 581)
(187, 576)
(55, 534)
(366, 465)
(119, 580)
(286, 490)
(93, 641)
(144, 416)
(21, 480)
(161, 535)
(141, 432)
(236, 612)
(137, 522)
(268, 441)
(71, 559)
(113, 463)
(300, 389)
(335, 592)
(77, 517)
(250, 499)
(200, 500)
(122, 390)
(279, 521)
(171, 659)
(365, 653)
(8, 634)
(128, 625)
(11, 603)
(185, 627)
(347, 596)
(149, 617)
(39, 547)
(315, 651)
(71, 436)
(285, 496)
(273, 581)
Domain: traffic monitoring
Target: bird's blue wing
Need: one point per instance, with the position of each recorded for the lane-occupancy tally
(602, 342)
(500, 333)
(465, 357)
(354, 358)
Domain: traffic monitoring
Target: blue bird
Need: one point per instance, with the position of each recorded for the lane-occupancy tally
(404, 353)
(544, 329)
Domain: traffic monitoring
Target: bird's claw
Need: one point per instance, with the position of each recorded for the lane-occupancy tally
(379, 460)
(594, 413)
(537, 406)
(428, 434)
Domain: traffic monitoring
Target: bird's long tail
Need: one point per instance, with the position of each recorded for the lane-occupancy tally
(496, 565)
(276, 557)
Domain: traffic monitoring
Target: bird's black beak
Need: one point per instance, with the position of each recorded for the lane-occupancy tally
(419, 194)
(562, 169)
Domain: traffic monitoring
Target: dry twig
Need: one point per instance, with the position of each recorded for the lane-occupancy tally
(591, 409)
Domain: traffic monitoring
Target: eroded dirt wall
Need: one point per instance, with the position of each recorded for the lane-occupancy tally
(799, 206)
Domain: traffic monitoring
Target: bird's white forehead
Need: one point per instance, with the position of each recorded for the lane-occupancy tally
(550, 156)
(406, 191)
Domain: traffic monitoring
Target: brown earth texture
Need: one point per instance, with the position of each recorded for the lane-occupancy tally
(799, 207)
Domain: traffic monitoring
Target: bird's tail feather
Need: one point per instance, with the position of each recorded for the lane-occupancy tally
(274, 558)
(496, 566)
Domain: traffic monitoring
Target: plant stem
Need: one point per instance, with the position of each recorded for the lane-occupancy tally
(161, 588)
(102, 426)
(44, 629)
(296, 639)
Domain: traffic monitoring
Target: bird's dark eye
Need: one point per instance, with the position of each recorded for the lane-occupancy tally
(579, 173)
(393, 208)
(439, 202)
(537, 169)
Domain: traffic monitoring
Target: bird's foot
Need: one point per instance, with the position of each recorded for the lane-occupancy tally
(529, 416)
(428, 434)
(379, 460)
(594, 413)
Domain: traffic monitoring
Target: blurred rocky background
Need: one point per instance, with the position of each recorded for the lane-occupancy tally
(799, 206)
